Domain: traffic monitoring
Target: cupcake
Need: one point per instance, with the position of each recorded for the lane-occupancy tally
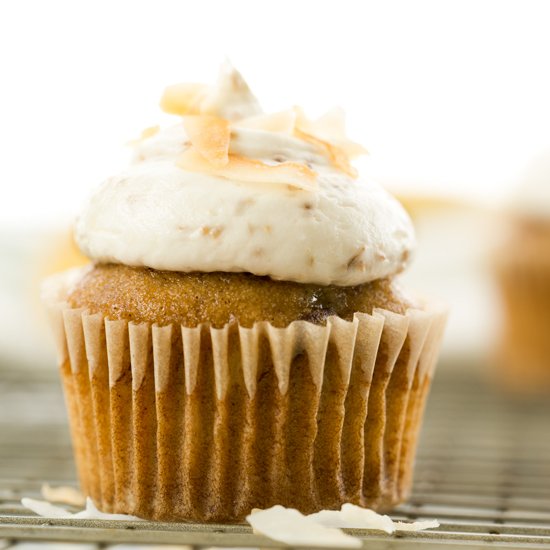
(239, 339)
(523, 275)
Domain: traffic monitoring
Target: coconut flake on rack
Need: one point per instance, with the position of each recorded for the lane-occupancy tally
(63, 494)
(354, 517)
(291, 527)
(48, 510)
(324, 528)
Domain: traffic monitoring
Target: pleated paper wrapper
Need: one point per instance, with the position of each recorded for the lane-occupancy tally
(204, 424)
(522, 362)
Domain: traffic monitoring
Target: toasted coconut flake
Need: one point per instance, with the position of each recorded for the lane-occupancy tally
(183, 99)
(149, 132)
(281, 122)
(64, 495)
(145, 134)
(337, 156)
(251, 170)
(210, 136)
(332, 123)
(330, 129)
(231, 97)
(291, 527)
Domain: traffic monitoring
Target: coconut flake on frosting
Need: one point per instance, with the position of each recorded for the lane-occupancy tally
(210, 136)
(279, 183)
(232, 99)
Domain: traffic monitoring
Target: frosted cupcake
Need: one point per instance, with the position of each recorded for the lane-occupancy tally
(239, 340)
(523, 273)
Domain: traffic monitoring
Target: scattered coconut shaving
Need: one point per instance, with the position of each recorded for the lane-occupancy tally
(210, 136)
(291, 527)
(337, 156)
(330, 128)
(230, 98)
(208, 111)
(416, 525)
(63, 495)
(183, 99)
(282, 122)
(48, 510)
(324, 528)
(251, 170)
(45, 509)
(355, 517)
(145, 134)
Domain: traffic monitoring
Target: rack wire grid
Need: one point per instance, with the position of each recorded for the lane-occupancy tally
(482, 470)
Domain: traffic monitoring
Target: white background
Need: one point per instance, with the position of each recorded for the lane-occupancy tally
(451, 98)
(448, 96)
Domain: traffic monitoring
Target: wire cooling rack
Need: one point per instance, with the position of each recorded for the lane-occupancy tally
(483, 470)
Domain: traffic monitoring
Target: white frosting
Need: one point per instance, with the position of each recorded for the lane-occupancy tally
(156, 214)
(533, 196)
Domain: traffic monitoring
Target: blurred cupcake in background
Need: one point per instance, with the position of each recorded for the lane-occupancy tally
(523, 275)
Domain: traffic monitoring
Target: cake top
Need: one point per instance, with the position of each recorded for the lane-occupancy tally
(532, 198)
(229, 188)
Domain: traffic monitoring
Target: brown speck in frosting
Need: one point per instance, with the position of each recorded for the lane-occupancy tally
(279, 158)
(243, 204)
(213, 232)
(252, 228)
(187, 144)
(311, 260)
(268, 228)
(307, 206)
(182, 227)
(356, 261)
(258, 252)
(405, 256)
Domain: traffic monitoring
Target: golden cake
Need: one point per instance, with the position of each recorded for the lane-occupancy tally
(240, 339)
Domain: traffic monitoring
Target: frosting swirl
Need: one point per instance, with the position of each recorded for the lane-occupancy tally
(281, 205)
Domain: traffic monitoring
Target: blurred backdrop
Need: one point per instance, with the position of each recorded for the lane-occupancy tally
(451, 99)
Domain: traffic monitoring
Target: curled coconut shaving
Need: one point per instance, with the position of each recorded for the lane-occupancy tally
(214, 115)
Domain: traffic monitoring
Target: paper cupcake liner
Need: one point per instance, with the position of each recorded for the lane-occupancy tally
(204, 424)
(523, 357)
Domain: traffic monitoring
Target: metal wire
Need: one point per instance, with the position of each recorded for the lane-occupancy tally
(483, 470)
